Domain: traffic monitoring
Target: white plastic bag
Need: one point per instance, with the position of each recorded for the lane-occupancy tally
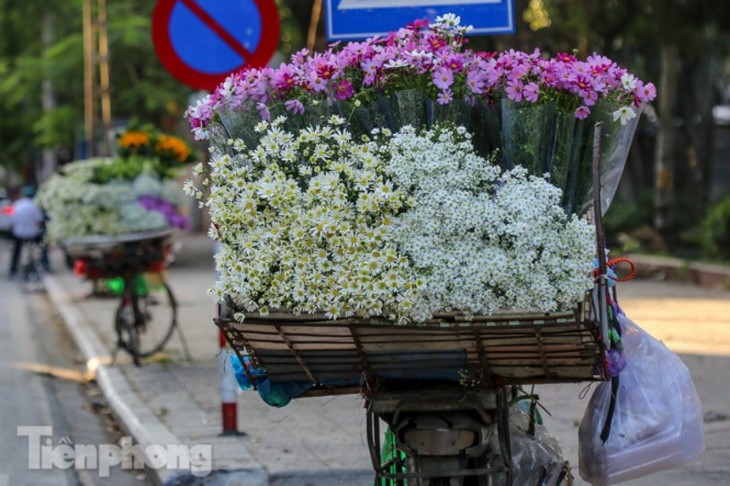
(537, 458)
(657, 420)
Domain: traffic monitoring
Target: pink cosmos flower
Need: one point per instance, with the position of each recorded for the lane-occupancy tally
(445, 97)
(589, 98)
(443, 78)
(264, 112)
(423, 54)
(284, 78)
(316, 83)
(582, 112)
(475, 80)
(531, 91)
(514, 90)
(645, 92)
(418, 24)
(294, 106)
(565, 57)
(326, 70)
(455, 63)
(582, 84)
(344, 90)
(435, 43)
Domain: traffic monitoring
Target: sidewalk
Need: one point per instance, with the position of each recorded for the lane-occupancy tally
(320, 441)
(314, 441)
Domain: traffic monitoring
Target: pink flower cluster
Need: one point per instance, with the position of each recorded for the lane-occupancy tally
(429, 57)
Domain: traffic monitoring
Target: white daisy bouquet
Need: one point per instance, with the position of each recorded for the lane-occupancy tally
(400, 224)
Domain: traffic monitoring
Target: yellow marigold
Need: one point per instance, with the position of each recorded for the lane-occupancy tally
(172, 145)
(134, 139)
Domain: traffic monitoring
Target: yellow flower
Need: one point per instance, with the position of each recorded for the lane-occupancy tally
(134, 139)
(172, 145)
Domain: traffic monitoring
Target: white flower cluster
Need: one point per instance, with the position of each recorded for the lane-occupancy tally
(484, 240)
(307, 221)
(78, 207)
(402, 225)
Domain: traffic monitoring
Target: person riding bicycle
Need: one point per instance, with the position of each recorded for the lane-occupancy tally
(28, 226)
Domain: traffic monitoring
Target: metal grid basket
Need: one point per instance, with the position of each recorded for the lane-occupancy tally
(338, 356)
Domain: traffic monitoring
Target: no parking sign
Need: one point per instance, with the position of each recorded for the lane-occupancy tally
(200, 42)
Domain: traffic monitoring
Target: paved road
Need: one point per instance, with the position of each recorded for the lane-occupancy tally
(42, 384)
(695, 323)
(313, 441)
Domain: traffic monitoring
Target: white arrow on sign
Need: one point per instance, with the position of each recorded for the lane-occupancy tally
(363, 4)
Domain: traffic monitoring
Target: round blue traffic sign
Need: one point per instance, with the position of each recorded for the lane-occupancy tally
(200, 42)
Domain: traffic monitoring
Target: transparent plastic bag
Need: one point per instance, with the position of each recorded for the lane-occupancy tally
(657, 420)
(537, 458)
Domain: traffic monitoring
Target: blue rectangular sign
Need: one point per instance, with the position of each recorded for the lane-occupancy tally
(360, 19)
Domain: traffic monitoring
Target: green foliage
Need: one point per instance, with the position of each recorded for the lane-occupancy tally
(715, 234)
(625, 216)
(54, 128)
(140, 86)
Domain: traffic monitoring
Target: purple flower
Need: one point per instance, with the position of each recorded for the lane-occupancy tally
(344, 90)
(645, 92)
(514, 90)
(316, 83)
(445, 97)
(531, 92)
(582, 112)
(294, 106)
(285, 78)
(582, 84)
(264, 112)
(475, 80)
(166, 208)
(589, 98)
(411, 56)
(455, 62)
(325, 70)
(443, 78)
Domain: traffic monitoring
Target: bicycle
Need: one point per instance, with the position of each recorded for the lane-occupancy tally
(31, 276)
(146, 316)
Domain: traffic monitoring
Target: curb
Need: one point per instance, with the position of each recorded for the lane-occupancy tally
(134, 416)
(701, 274)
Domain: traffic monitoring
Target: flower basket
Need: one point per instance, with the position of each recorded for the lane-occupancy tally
(370, 355)
(104, 201)
(423, 212)
(105, 256)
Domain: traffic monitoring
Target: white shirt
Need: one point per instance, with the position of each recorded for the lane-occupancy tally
(27, 219)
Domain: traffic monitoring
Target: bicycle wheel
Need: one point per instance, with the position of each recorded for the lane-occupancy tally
(124, 324)
(158, 311)
(31, 274)
(30, 270)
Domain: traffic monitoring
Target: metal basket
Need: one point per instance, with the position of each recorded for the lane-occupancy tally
(106, 256)
(341, 355)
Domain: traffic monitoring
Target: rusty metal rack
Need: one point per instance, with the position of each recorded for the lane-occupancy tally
(501, 349)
